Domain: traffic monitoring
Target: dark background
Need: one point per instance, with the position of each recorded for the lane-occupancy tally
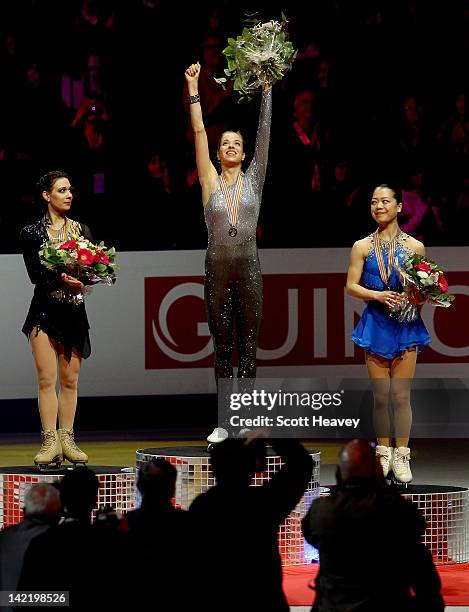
(97, 88)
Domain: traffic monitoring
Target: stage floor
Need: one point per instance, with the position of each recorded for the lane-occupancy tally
(443, 462)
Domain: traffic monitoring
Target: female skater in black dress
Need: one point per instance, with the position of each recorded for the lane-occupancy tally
(57, 328)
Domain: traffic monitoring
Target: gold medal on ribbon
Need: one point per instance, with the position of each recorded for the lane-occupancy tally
(232, 204)
(384, 271)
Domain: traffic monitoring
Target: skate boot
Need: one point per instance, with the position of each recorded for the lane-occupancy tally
(50, 451)
(384, 454)
(218, 435)
(401, 465)
(70, 449)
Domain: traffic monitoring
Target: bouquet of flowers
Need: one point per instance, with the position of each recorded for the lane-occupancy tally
(90, 263)
(261, 54)
(423, 281)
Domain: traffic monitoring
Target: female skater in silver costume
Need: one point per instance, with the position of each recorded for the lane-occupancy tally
(231, 199)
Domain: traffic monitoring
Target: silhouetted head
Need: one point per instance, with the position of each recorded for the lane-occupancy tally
(235, 462)
(79, 492)
(157, 481)
(357, 459)
(341, 170)
(43, 500)
(304, 105)
(411, 110)
(211, 52)
(461, 104)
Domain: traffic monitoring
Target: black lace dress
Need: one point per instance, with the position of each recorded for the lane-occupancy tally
(66, 323)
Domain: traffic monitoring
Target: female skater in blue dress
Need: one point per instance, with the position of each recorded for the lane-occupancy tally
(391, 347)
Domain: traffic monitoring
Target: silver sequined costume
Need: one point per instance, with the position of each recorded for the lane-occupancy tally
(233, 279)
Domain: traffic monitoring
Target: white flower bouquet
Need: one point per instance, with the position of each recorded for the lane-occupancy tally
(261, 54)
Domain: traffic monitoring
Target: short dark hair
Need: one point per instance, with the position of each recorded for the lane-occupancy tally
(157, 478)
(234, 460)
(397, 191)
(79, 489)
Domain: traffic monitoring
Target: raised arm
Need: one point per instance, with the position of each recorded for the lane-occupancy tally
(205, 168)
(258, 164)
(287, 486)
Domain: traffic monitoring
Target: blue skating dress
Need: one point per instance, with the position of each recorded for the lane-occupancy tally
(376, 331)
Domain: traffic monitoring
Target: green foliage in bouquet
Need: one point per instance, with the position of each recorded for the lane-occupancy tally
(428, 278)
(81, 258)
(261, 54)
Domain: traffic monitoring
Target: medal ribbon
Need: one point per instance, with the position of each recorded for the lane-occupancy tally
(384, 272)
(232, 204)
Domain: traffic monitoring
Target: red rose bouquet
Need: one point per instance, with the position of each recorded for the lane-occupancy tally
(423, 281)
(90, 263)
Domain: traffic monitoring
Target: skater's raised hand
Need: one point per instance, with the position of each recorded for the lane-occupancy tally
(192, 74)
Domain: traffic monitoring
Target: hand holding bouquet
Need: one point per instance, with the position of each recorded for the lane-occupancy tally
(260, 56)
(423, 281)
(80, 259)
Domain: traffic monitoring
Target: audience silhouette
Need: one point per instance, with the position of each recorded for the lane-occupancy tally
(369, 541)
(237, 525)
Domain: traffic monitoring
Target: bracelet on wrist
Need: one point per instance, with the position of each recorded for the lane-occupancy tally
(194, 99)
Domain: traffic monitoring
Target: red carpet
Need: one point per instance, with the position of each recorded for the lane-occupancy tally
(455, 580)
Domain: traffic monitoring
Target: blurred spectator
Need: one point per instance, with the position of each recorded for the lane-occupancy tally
(454, 133)
(363, 521)
(159, 173)
(413, 135)
(42, 509)
(92, 117)
(91, 155)
(420, 217)
(303, 158)
(415, 208)
(345, 207)
(215, 100)
(453, 139)
(10, 65)
(74, 541)
(85, 58)
(191, 231)
(162, 214)
(159, 535)
(247, 519)
(459, 217)
(309, 136)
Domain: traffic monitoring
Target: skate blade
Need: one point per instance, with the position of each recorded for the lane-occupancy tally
(75, 463)
(55, 464)
(397, 483)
